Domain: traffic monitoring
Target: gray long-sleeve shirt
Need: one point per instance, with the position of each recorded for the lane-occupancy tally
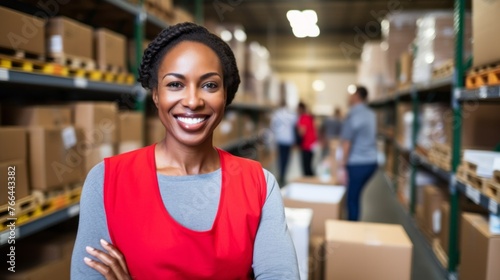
(192, 201)
(360, 128)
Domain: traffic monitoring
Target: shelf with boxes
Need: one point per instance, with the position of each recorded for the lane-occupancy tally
(442, 113)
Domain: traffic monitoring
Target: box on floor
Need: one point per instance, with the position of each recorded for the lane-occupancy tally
(480, 250)
(358, 250)
(325, 201)
(19, 24)
(317, 258)
(13, 157)
(299, 224)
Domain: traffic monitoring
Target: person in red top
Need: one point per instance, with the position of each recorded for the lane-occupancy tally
(182, 208)
(307, 132)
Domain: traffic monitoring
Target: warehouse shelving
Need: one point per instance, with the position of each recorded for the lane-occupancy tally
(420, 160)
(449, 89)
(40, 223)
(478, 197)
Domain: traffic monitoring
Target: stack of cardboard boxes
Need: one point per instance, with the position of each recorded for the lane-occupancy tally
(61, 143)
(13, 154)
(53, 145)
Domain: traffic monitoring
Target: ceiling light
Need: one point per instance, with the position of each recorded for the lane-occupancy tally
(293, 15)
(319, 85)
(351, 89)
(314, 31)
(303, 23)
(240, 35)
(226, 35)
(310, 16)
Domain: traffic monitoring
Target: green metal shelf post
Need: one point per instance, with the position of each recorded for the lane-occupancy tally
(413, 164)
(199, 12)
(140, 19)
(458, 82)
(395, 167)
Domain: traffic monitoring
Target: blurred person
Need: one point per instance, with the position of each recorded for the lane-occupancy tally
(307, 133)
(182, 208)
(283, 123)
(359, 148)
(330, 130)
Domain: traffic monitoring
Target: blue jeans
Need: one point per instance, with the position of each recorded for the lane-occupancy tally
(284, 156)
(358, 176)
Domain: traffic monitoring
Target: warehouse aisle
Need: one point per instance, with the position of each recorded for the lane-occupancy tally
(380, 205)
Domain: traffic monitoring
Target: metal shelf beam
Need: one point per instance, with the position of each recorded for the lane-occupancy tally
(41, 223)
(28, 78)
(487, 93)
(478, 197)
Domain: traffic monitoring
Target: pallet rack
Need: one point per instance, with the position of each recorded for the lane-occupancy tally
(450, 89)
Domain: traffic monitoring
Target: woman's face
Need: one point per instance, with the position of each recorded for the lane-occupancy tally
(190, 95)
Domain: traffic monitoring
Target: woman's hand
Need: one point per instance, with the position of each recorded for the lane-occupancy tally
(112, 265)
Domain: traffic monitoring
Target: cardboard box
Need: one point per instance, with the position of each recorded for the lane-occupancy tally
(23, 32)
(13, 143)
(98, 120)
(405, 68)
(317, 258)
(51, 164)
(21, 179)
(49, 116)
(299, 224)
(485, 27)
(67, 37)
(110, 49)
(326, 202)
(155, 131)
(130, 131)
(165, 5)
(434, 197)
(314, 180)
(444, 233)
(97, 154)
(480, 250)
(356, 250)
(478, 121)
(130, 126)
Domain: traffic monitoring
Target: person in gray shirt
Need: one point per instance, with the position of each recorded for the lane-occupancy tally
(359, 148)
(181, 208)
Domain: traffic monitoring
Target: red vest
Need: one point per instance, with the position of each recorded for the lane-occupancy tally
(156, 246)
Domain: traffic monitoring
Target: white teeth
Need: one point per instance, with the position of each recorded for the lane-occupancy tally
(190, 120)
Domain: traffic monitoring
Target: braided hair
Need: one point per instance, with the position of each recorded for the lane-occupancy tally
(173, 35)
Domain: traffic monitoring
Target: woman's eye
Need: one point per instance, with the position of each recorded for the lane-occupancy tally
(174, 85)
(210, 85)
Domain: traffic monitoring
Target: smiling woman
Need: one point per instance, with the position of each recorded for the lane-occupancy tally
(182, 208)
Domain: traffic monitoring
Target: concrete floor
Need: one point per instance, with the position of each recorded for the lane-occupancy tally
(379, 204)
